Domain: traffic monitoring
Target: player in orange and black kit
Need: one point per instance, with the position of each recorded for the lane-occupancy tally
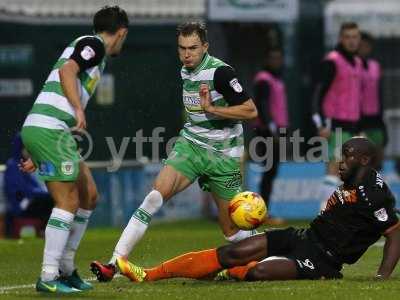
(357, 214)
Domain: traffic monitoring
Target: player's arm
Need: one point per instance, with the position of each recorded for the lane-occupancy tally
(241, 106)
(88, 53)
(391, 252)
(68, 74)
(324, 81)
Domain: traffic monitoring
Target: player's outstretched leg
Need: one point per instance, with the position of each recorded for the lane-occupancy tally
(131, 235)
(277, 268)
(168, 183)
(200, 264)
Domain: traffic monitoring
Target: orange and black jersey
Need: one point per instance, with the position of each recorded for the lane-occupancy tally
(356, 218)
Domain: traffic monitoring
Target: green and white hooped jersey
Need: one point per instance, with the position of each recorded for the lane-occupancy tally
(52, 110)
(204, 129)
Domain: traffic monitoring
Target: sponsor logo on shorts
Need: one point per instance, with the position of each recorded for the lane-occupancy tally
(46, 168)
(305, 263)
(67, 167)
(235, 181)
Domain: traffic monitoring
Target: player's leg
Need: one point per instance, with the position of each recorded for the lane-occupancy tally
(168, 183)
(272, 268)
(231, 232)
(66, 199)
(87, 202)
(178, 173)
(201, 263)
(224, 180)
(54, 152)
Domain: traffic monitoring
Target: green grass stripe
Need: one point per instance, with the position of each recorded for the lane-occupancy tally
(52, 111)
(53, 87)
(168, 239)
(219, 145)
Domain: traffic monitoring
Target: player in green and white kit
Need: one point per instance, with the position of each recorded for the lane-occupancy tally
(46, 133)
(210, 144)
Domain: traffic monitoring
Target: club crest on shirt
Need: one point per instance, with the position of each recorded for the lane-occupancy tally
(234, 83)
(381, 215)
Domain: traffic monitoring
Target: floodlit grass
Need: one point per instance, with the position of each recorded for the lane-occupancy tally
(20, 265)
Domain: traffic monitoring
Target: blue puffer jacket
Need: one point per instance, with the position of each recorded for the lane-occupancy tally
(19, 185)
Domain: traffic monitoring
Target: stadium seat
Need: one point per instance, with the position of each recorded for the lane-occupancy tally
(27, 226)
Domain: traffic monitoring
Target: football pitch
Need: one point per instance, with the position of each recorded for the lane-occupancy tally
(20, 265)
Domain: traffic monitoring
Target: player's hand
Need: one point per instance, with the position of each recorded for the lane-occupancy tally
(80, 120)
(27, 166)
(205, 98)
(324, 132)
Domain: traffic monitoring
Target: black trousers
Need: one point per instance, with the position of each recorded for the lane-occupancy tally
(270, 163)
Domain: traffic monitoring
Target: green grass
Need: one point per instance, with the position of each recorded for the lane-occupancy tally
(20, 264)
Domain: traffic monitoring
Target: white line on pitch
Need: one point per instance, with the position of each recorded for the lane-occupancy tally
(28, 286)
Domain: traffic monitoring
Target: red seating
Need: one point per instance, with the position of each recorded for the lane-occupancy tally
(20, 224)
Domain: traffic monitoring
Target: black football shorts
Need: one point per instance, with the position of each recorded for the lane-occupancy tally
(297, 245)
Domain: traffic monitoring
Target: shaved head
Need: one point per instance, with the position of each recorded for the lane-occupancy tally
(358, 155)
(359, 146)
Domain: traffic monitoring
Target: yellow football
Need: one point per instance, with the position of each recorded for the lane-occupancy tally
(247, 210)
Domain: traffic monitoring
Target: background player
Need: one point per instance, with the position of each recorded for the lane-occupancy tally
(372, 124)
(270, 99)
(210, 144)
(46, 135)
(336, 102)
(356, 215)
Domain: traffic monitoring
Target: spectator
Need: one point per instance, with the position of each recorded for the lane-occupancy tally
(2, 208)
(372, 124)
(336, 101)
(25, 196)
(270, 99)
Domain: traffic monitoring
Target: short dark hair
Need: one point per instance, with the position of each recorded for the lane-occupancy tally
(110, 19)
(365, 36)
(347, 26)
(197, 27)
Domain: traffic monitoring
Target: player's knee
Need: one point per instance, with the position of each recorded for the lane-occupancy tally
(153, 201)
(93, 196)
(70, 203)
(164, 190)
(229, 256)
(258, 272)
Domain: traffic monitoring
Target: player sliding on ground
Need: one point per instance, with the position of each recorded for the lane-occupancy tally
(46, 134)
(357, 214)
(210, 144)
